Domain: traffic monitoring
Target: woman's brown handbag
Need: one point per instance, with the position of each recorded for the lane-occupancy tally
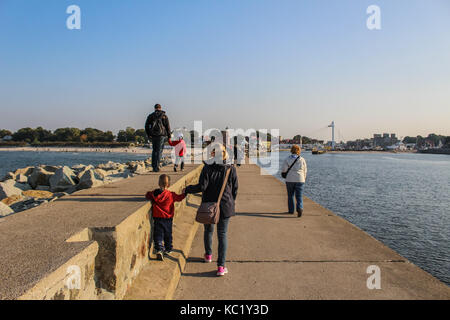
(209, 212)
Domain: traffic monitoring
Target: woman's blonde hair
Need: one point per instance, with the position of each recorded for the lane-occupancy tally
(295, 149)
(224, 151)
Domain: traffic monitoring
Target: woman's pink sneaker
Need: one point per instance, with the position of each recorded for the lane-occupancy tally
(221, 271)
(208, 258)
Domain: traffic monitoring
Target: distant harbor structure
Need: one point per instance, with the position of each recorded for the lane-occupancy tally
(333, 143)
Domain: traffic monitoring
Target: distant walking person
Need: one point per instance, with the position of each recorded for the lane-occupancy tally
(211, 180)
(294, 171)
(157, 128)
(180, 151)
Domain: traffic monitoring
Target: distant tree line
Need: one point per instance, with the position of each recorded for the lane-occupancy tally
(40, 135)
(305, 140)
(432, 138)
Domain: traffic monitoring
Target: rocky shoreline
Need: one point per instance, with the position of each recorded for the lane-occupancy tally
(30, 187)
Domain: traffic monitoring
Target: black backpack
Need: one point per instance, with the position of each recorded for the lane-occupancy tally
(157, 127)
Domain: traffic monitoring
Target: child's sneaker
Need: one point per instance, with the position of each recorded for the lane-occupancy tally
(221, 271)
(166, 252)
(208, 258)
(160, 256)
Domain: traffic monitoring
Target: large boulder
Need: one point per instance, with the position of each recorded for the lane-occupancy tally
(8, 176)
(5, 210)
(90, 179)
(137, 167)
(50, 168)
(111, 166)
(38, 194)
(25, 171)
(40, 176)
(8, 189)
(102, 173)
(12, 199)
(83, 171)
(21, 186)
(119, 176)
(63, 179)
(21, 178)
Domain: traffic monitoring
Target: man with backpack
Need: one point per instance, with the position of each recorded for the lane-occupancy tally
(157, 128)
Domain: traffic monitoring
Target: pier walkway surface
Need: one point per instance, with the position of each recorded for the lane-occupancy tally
(274, 255)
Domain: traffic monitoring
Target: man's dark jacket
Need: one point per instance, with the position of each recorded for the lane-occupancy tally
(210, 183)
(157, 124)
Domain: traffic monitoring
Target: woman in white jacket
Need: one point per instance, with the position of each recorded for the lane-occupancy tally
(295, 179)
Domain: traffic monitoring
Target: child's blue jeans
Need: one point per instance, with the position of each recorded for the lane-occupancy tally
(162, 234)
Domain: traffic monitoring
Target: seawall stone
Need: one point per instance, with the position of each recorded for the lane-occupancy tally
(8, 190)
(90, 179)
(63, 179)
(40, 176)
(5, 210)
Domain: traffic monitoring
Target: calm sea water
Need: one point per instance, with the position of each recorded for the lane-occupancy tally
(10, 161)
(403, 200)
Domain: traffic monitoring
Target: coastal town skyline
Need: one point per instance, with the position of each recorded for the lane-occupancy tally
(294, 67)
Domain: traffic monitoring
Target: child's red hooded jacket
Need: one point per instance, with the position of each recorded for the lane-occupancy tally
(163, 202)
(180, 147)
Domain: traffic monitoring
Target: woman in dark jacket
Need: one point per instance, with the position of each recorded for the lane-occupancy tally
(210, 183)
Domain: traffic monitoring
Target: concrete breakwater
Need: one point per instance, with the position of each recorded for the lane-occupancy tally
(29, 187)
(88, 245)
(104, 233)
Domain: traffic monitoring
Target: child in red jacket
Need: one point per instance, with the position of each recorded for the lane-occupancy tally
(180, 151)
(162, 211)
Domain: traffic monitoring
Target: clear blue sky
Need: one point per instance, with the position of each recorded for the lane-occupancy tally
(288, 64)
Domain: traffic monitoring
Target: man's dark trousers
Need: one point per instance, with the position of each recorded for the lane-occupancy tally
(157, 146)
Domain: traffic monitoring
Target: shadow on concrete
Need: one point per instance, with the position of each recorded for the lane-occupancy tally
(195, 260)
(271, 215)
(97, 199)
(105, 195)
(206, 274)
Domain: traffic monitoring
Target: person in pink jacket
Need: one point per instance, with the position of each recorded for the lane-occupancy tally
(180, 151)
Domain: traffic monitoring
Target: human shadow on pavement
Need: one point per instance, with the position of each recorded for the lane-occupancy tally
(206, 274)
(270, 215)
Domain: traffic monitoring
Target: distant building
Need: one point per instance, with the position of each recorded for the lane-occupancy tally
(384, 140)
(7, 138)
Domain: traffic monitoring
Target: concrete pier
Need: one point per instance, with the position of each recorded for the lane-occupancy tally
(274, 255)
(105, 233)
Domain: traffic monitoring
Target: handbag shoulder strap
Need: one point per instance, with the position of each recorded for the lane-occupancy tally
(292, 164)
(223, 186)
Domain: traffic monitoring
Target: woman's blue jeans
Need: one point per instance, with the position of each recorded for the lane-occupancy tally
(222, 228)
(295, 189)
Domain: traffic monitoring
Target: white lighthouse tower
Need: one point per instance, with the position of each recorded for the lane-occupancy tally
(333, 143)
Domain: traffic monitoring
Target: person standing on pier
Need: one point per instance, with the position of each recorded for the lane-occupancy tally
(157, 128)
(295, 167)
(210, 184)
(180, 151)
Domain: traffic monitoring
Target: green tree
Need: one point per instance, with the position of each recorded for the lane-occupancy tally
(131, 134)
(4, 132)
(67, 134)
(25, 134)
(43, 134)
(122, 136)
